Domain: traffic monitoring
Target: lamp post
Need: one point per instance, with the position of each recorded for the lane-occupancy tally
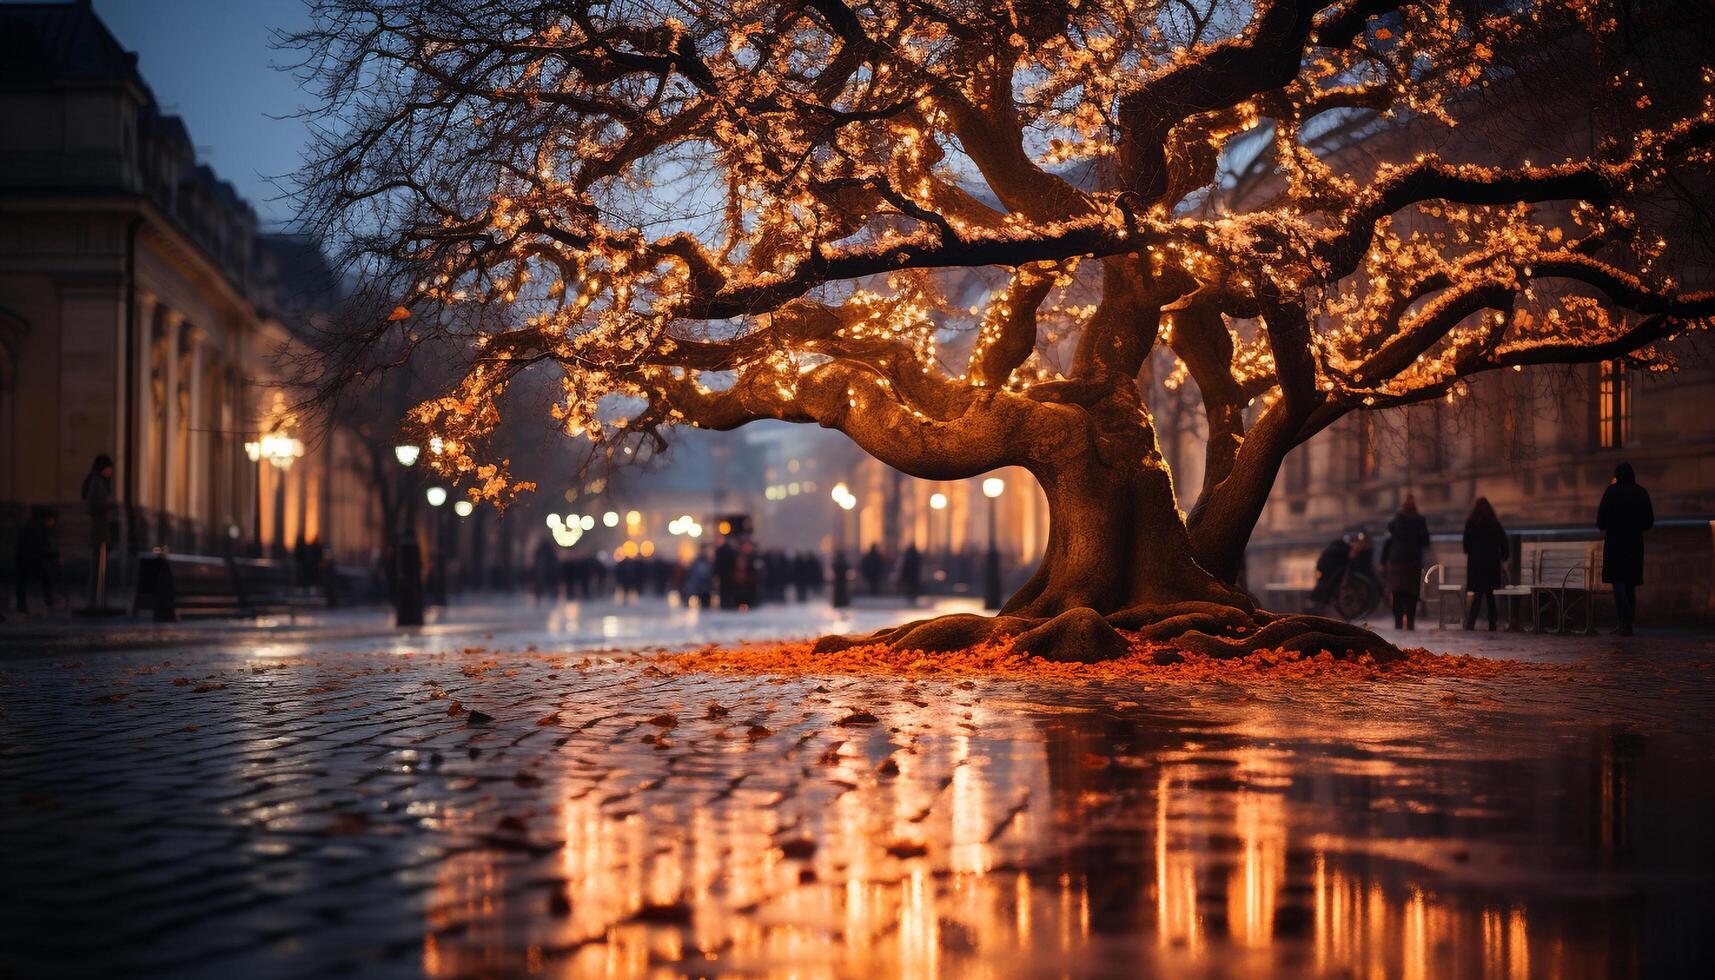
(938, 501)
(437, 497)
(281, 450)
(844, 499)
(408, 573)
(993, 487)
(468, 563)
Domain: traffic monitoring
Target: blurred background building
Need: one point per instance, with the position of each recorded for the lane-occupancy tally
(143, 315)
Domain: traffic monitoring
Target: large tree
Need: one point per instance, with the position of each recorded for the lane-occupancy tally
(711, 214)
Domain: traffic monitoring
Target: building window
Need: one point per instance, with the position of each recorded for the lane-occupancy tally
(1614, 406)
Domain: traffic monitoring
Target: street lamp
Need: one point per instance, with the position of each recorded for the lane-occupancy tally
(610, 519)
(408, 559)
(844, 499)
(280, 450)
(938, 501)
(993, 487)
(464, 508)
(437, 496)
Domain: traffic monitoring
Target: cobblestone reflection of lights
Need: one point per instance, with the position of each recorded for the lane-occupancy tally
(605, 817)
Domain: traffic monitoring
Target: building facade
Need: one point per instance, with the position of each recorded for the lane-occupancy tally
(144, 316)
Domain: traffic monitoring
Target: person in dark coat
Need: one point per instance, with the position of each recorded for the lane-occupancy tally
(1330, 568)
(726, 567)
(37, 556)
(911, 573)
(97, 495)
(747, 570)
(873, 568)
(699, 579)
(544, 566)
(1623, 516)
(1402, 561)
(1486, 552)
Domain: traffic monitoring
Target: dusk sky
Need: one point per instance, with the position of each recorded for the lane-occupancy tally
(212, 62)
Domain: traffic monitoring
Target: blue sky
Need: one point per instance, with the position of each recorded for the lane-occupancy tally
(211, 62)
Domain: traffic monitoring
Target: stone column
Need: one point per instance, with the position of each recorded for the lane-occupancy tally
(142, 405)
(167, 501)
(196, 434)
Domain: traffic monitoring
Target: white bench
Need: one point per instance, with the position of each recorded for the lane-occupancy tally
(1568, 578)
(1554, 578)
(1445, 581)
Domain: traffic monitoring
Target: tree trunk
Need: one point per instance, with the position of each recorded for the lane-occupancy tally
(1115, 541)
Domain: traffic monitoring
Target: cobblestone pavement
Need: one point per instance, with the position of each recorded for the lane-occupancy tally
(500, 802)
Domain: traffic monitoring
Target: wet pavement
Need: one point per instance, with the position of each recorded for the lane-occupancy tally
(486, 799)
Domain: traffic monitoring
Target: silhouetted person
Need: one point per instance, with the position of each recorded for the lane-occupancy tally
(37, 556)
(809, 574)
(726, 566)
(911, 572)
(97, 494)
(1486, 552)
(1330, 568)
(1363, 554)
(873, 568)
(1402, 560)
(1623, 517)
(699, 579)
(745, 569)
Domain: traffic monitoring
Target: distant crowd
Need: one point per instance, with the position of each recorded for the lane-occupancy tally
(734, 575)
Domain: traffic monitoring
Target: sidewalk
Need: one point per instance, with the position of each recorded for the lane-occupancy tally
(584, 624)
(63, 632)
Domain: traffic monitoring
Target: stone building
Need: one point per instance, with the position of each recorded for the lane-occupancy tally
(144, 315)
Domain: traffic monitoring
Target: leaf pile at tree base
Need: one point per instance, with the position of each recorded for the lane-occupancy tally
(1145, 660)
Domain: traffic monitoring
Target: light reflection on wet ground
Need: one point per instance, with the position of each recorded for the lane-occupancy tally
(613, 820)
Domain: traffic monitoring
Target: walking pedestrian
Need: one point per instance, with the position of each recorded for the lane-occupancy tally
(699, 579)
(1623, 516)
(873, 568)
(1330, 569)
(1486, 551)
(726, 568)
(97, 493)
(36, 558)
(1402, 561)
(911, 573)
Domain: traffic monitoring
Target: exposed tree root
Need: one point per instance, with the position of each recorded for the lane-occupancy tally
(1084, 635)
